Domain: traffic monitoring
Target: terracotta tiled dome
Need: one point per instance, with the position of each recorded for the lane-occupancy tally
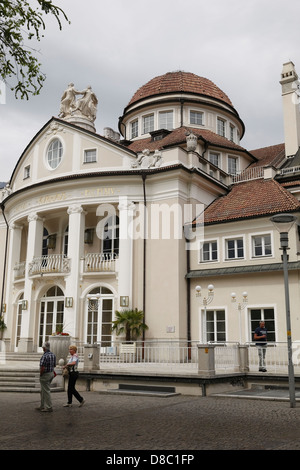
(184, 82)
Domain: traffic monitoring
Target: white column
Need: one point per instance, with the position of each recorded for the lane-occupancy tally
(15, 237)
(126, 214)
(34, 249)
(75, 252)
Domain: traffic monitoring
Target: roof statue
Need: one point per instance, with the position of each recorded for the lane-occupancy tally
(86, 106)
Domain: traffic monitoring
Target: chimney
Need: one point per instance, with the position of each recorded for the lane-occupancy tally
(291, 115)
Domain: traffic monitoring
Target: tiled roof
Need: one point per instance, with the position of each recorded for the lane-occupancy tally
(272, 155)
(184, 82)
(251, 199)
(178, 136)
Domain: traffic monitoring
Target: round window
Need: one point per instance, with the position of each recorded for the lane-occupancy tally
(54, 154)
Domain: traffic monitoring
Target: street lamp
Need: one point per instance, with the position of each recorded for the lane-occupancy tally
(205, 301)
(240, 306)
(283, 224)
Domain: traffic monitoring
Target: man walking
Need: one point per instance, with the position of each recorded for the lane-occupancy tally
(47, 365)
(260, 336)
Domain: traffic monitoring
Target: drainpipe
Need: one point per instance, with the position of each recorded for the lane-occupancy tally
(188, 301)
(5, 257)
(181, 112)
(144, 251)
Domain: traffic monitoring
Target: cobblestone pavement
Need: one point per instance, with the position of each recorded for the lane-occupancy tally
(120, 422)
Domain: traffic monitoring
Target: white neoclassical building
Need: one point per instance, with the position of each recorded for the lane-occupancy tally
(137, 218)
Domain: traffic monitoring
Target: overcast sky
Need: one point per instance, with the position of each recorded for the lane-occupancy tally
(116, 46)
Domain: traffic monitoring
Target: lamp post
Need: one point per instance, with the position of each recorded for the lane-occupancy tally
(240, 306)
(206, 301)
(283, 224)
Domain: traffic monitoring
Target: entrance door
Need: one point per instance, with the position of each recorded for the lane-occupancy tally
(51, 314)
(99, 317)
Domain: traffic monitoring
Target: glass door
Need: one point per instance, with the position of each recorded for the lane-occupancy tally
(51, 314)
(99, 317)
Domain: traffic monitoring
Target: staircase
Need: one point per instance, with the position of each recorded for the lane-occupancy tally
(20, 373)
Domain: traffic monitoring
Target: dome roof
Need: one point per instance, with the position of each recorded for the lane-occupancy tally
(183, 82)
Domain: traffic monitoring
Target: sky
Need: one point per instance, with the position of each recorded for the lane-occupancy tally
(117, 46)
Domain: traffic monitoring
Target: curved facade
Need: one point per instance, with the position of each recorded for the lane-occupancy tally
(92, 224)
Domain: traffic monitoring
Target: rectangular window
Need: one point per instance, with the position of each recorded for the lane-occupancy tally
(232, 133)
(90, 156)
(134, 129)
(263, 314)
(166, 120)
(215, 326)
(235, 248)
(148, 124)
(196, 118)
(26, 172)
(221, 127)
(232, 165)
(209, 251)
(261, 245)
(214, 158)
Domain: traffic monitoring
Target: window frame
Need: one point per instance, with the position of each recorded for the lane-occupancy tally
(215, 154)
(85, 154)
(235, 248)
(262, 235)
(134, 129)
(210, 251)
(169, 125)
(54, 157)
(221, 126)
(198, 113)
(148, 127)
(213, 335)
(237, 161)
(26, 172)
(261, 315)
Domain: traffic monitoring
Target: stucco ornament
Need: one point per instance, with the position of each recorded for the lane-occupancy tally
(148, 160)
(85, 106)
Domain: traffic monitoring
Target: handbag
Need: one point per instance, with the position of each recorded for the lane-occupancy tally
(65, 372)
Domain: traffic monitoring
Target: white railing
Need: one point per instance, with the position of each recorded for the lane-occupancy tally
(49, 264)
(182, 357)
(100, 262)
(248, 174)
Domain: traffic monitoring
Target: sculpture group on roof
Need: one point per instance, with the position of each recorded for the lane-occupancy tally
(86, 105)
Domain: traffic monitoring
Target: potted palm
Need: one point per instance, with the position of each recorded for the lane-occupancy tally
(131, 323)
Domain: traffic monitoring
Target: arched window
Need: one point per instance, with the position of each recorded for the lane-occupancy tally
(111, 236)
(99, 316)
(51, 313)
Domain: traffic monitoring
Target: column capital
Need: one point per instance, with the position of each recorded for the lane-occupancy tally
(126, 205)
(75, 209)
(33, 217)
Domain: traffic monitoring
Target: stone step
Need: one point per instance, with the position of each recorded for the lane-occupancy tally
(145, 390)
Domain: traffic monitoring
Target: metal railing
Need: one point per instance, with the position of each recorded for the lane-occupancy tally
(100, 262)
(56, 263)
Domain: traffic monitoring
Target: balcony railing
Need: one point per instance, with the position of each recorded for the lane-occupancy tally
(49, 264)
(100, 262)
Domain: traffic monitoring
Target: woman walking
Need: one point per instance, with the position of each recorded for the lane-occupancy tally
(72, 367)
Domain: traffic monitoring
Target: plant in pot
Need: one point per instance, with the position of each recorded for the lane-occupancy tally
(2, 326)
(130, 322)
